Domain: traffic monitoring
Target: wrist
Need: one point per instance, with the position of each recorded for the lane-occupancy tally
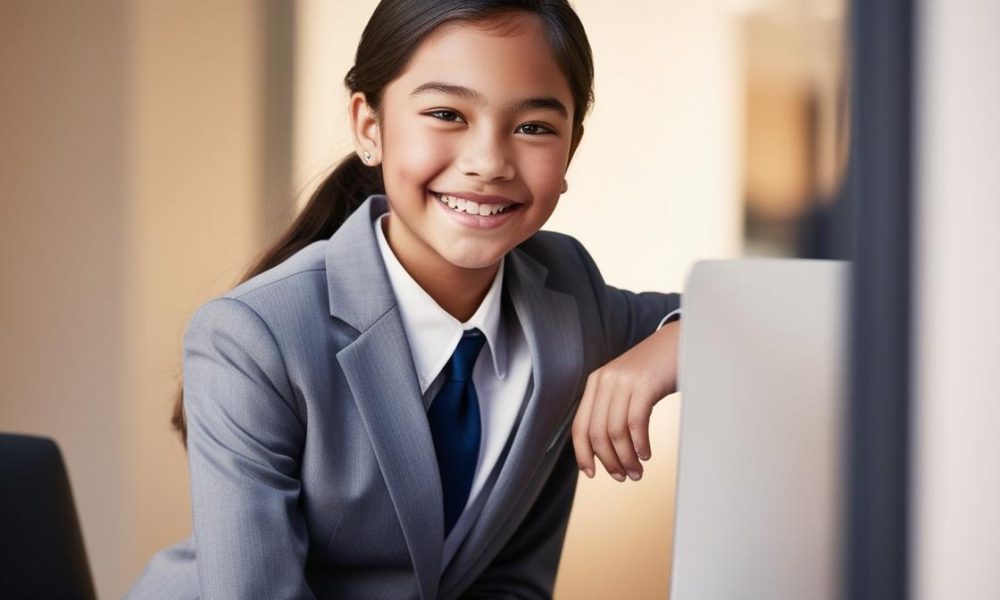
(668, 338)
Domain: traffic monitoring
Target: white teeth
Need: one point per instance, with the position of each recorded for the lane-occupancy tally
(472, 208)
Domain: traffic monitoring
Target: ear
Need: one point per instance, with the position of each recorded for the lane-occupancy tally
(574, 144)
(365, 129)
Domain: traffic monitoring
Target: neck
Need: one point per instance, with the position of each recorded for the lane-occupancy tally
(459, 291)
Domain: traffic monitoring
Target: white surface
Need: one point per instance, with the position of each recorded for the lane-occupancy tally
(956, 325)
(759, 470)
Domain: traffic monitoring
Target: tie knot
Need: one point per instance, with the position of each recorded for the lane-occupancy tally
(464, 357)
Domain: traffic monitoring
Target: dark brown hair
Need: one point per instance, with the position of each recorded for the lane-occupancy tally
(394, 32)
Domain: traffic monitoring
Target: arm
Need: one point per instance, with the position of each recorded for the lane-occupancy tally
(627, 317)
(245, 438)
(612, 420)
(526, 566)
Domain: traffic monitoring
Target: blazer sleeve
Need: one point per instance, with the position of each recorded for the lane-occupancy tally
(245, 440)
(627, 317)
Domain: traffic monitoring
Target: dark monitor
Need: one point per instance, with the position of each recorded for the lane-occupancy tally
(41, 544)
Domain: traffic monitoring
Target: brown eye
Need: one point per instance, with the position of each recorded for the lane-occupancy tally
(534, 129)
(445, 115)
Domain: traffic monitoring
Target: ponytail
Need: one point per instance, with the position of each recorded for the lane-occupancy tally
(340, 194)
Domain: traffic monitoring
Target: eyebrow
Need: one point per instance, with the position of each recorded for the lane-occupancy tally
(541, 102)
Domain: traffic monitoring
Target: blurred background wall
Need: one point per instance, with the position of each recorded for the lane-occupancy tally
(131, 189)
(64, 263)
(955, 536)
(149, 150)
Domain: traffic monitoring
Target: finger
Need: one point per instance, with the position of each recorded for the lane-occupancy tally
(621, 436)
(640, 410)
(599, 438)
(581, 430)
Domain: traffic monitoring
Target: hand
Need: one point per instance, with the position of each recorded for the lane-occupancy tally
(613, 417)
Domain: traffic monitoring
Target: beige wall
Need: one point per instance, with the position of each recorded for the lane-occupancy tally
(130, 192)
(196, 128)
(142, 164)
(64, 241)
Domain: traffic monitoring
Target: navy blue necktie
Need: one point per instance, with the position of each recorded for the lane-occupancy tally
(454, 420)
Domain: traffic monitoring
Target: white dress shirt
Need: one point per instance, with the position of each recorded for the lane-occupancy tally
(501, 374)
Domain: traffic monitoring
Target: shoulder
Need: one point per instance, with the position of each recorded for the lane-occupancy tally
(569, 267)
(558, 251)
(295, 287)
(550, 246)
(298, 272)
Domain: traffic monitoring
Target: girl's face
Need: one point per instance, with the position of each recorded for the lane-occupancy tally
(479, 114)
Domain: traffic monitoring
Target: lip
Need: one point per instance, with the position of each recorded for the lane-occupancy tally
(479, 198)
(476, 221)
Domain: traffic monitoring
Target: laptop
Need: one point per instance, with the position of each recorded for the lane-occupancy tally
(762, 381)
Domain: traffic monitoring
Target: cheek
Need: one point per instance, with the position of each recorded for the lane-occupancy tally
(413, 156)
(544, 172)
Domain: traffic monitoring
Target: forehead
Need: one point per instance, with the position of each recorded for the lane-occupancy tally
(500, 59)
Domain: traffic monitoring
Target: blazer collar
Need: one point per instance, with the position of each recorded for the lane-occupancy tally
(357, 283)
(383, 381)
(552, 328)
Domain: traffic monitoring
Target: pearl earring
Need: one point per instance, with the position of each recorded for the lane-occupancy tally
(368, 156)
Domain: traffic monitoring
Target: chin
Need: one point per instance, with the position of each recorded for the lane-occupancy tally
(474, 262)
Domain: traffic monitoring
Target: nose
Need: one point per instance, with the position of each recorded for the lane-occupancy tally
(486, 156)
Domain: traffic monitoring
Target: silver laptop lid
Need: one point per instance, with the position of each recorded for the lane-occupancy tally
(761, 379)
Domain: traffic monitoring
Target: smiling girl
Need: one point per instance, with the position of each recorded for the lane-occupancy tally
(383, 408)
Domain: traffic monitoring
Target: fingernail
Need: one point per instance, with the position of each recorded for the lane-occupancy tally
(618, 477)
(643, 456)
(589, 472)
(635, 475)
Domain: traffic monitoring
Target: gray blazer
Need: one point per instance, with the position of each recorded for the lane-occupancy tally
(313, 472)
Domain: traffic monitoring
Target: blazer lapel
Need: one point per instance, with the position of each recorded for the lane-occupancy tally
(552, 328)
(383, 381)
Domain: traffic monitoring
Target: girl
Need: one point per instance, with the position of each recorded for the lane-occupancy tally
(383, 409)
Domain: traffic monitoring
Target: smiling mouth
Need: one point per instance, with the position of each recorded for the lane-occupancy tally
(475, 208)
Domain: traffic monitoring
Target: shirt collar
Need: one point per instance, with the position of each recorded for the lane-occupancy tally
(433, 334)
